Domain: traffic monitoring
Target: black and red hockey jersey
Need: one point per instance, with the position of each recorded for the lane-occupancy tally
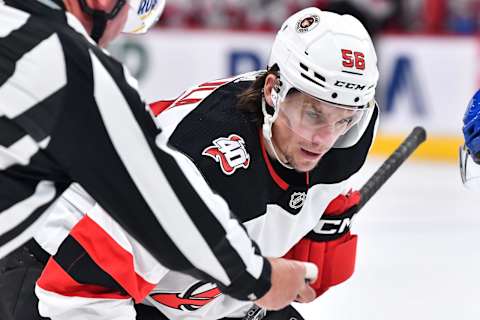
(276, 205)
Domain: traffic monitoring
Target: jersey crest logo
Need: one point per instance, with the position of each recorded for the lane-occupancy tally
(297, 199)
(195, 297)
(229, 152)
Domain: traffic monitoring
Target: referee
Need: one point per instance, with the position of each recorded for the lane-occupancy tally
(71, 113)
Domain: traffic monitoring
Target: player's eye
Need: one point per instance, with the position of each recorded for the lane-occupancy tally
(345, 121)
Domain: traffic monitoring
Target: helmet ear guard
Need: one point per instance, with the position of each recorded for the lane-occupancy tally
(268, 117)
(274, 94)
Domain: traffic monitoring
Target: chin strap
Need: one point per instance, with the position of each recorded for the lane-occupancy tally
(99, 24)
(267, 131)
(100, 17)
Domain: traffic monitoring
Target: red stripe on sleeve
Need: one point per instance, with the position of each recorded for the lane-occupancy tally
(57, 280)
(111, 257)
(159, 106)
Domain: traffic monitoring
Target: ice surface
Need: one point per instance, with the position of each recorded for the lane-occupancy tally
(418, 252)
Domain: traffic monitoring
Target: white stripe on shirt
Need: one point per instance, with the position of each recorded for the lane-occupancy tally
(13, 216)
(19, 152)
(12, 20)
(46, 192)
(23, 91)
(129, 141)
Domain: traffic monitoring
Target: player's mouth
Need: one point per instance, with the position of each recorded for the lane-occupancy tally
(309, 155)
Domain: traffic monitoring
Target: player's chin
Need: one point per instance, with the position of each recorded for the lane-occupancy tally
(305, 165)
(306, 162)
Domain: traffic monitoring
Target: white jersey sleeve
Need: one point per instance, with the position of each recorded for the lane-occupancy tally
(99, 270)
(67, 210)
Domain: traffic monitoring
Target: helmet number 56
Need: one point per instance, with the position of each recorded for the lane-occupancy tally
(353, 59)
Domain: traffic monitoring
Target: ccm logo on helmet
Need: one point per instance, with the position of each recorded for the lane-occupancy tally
(146, 6)
(349, 85)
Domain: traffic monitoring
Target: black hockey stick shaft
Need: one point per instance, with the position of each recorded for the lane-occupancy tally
(389, 166)
(386, 170)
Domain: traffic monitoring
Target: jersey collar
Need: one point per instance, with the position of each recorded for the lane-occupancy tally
(273, 173)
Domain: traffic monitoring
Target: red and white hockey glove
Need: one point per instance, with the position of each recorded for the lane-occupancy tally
(330, 245)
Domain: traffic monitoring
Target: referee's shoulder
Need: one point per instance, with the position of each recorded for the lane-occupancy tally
(25, 31)
(74, 41)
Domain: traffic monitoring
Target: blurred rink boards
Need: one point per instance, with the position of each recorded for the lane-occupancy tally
(418, 254)
(424, 80)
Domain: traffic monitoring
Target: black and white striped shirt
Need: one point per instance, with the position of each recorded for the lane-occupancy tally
(71, 113)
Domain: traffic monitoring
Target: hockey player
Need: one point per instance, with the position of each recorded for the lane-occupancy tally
(280, 145)
(470, 151)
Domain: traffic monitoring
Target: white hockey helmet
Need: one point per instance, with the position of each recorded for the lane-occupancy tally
(142, 15)
(329, 57)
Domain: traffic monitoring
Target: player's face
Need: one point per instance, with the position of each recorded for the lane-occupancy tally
(114, 26)
(306, 129)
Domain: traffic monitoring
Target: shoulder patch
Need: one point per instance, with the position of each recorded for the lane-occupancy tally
(229, 152)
